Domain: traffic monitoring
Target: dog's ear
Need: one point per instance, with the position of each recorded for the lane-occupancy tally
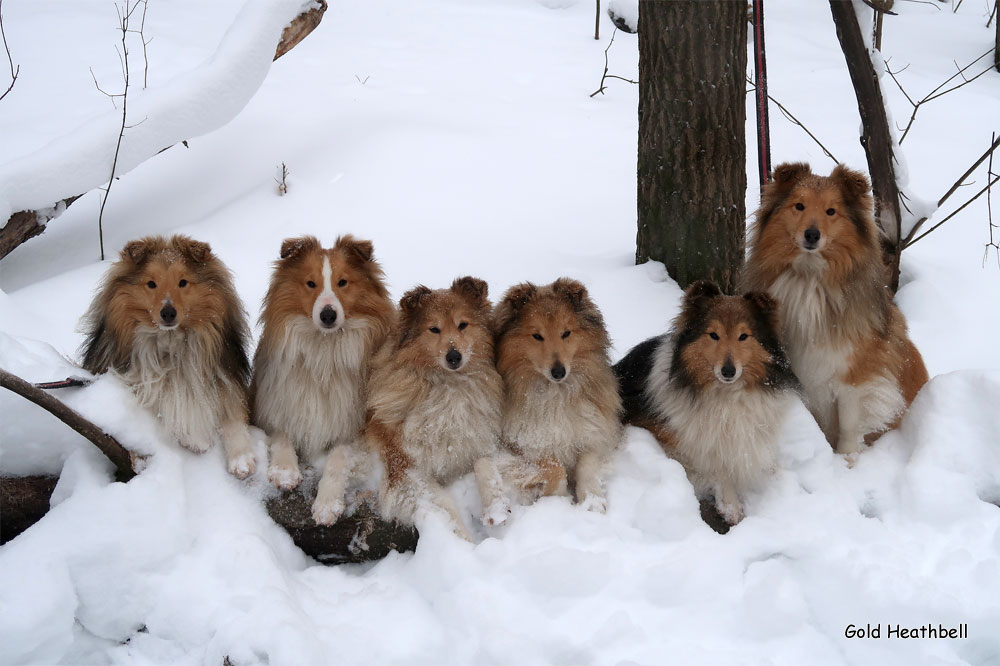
(853, 185)
(138, 250)
(412, 299)
(510, 306)
(295, 247)
(698, 296)
(193, 251)
(787, 174)
(572, 291)
(474, 289)
(764, 307)
(361, 249)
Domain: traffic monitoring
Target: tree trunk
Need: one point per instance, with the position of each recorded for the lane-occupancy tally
(875, 135)
(996, 49)
(692, 142)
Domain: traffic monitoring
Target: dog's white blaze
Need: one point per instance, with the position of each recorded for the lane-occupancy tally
(327, 297)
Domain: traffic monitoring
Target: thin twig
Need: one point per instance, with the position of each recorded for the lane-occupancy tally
(989, 211)
(958, 183)
(604, 76)
(791, 117)
(10, 61)
(936, 92)
(145, 42)
(989, 184)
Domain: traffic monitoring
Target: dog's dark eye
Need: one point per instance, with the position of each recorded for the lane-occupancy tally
(151, 284)
(743, 336)
(566, 334)
(435, 330)
(713, 335)
(182, 283)
(830, 211)
(537, 336)
(311, 284)
(462, 326)
(342, 283)
(800, 206)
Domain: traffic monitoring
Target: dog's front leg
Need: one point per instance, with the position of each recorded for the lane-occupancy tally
(728, 504)
(496, 505)
(331, 496)
(236, 441)
(283, 468)
(590, 483)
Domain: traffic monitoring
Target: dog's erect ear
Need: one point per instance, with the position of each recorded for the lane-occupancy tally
(193, 251)
(853, 184)
(512, 303)
(136, 251)
(787, 174)
(474, 289)
(698, 295)
(295, 247)
(362, 249)
(572, 291)
(412, 299)
(764, 307)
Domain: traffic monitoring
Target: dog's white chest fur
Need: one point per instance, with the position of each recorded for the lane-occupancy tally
(176, 378)
(457, 424)
(312, 387)
(558, 420)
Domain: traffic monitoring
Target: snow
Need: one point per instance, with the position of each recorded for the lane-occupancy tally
(460, 137)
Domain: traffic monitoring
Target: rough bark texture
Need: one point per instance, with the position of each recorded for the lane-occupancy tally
(26, 224)
(359, 537)
(875, 135)
(996, 50)
(692, 143)
(124, 460)
(23, 502)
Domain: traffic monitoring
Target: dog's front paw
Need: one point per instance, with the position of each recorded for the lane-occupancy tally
(243, 464)
(594, 502)
(731, 512)
(497, 512)
(283, 477)
(327, 512)
(196, 445)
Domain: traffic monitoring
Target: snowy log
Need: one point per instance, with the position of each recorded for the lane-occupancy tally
(23, 502)
(125, 461)
(360, 537)
(21, 183)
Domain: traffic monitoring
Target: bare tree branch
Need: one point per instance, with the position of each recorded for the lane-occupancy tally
(791, 118)
(601, 88)
(124, 460)
(10, 61)
(989, 211)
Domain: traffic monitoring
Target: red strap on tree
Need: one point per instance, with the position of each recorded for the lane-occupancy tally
(760, 88)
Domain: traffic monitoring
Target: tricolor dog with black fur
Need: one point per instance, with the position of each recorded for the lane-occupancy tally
(714, 392)
(167, 320)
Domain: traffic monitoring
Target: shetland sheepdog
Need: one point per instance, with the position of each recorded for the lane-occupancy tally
(434, 405)
(168, 321)
(325, 314)
(714, 392)
(816, 249)
(561, 402)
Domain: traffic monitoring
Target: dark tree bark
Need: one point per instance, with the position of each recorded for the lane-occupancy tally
(875, 135)
(996, 49)
(692, 142)
(23, 502)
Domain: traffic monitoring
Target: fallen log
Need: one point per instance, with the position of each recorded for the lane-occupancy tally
(23, 502)
(24, 225)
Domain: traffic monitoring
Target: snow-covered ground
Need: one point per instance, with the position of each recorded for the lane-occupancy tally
(459, 135)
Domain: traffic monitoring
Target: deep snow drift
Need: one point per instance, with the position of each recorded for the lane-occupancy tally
(460, 137)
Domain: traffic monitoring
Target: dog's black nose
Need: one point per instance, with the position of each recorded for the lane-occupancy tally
(328, 316)
(558, 371)
(812, 236)
(729, 370)
(168, 314)
(453, 358)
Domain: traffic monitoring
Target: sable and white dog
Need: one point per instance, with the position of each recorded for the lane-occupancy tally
(561, 404)
(815, 248)
(167, 320)
(714, 392)
(325, 314)
(434, 405)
